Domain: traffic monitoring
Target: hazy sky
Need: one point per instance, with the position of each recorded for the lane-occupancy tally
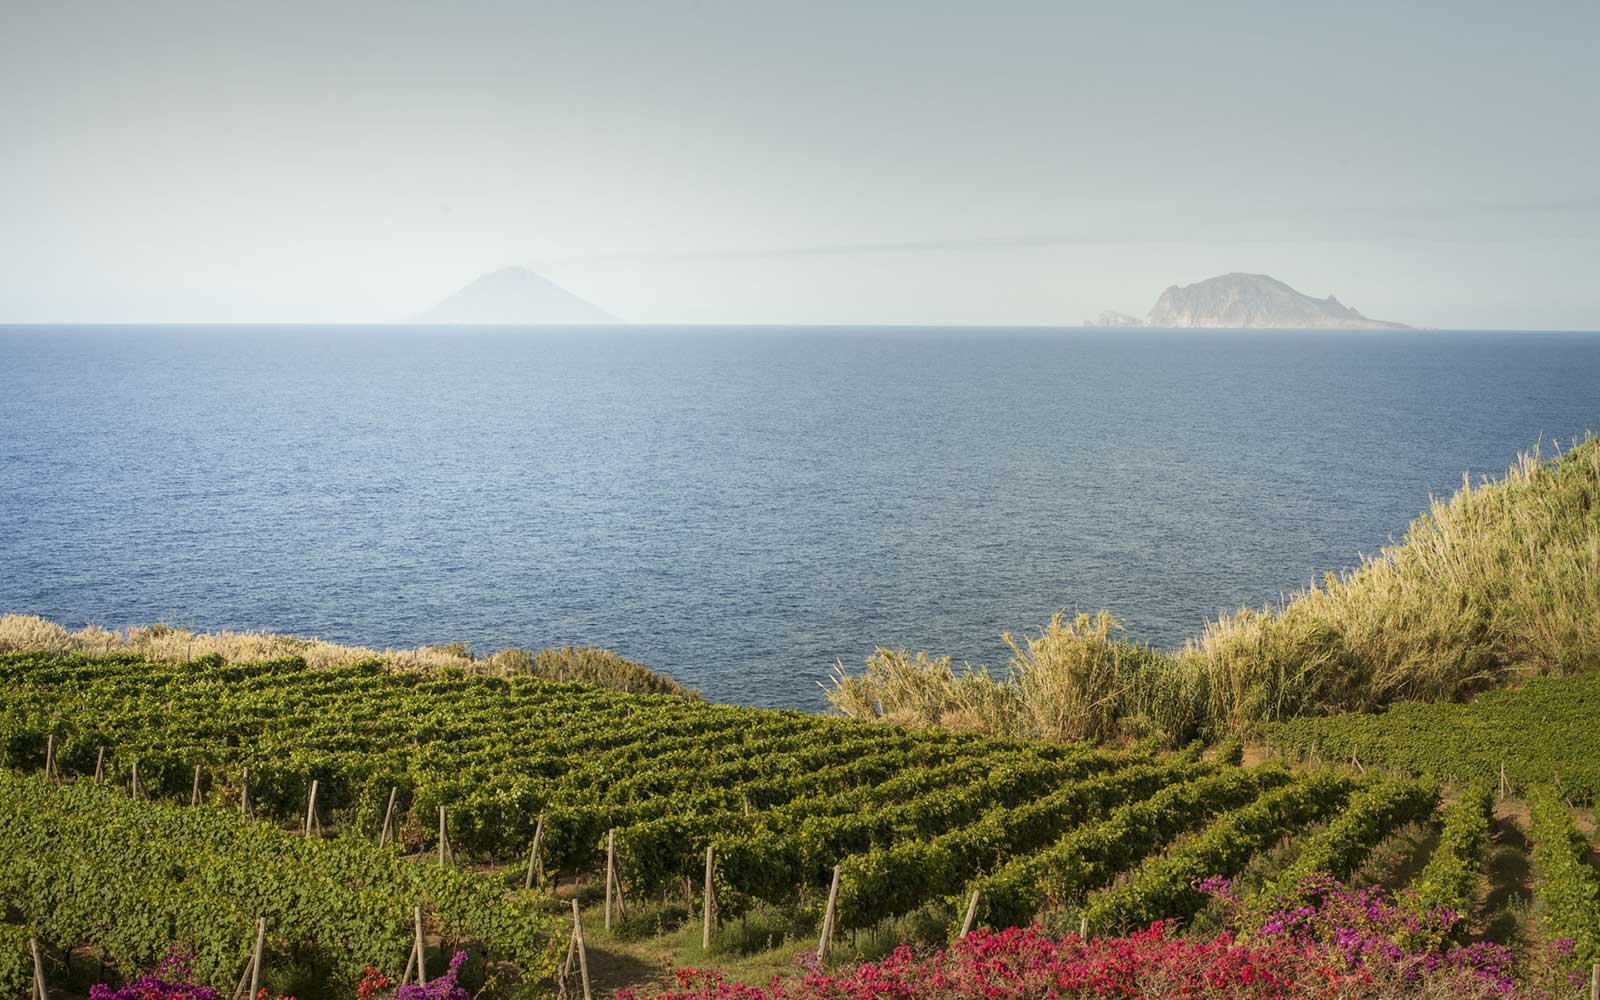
(811, 162)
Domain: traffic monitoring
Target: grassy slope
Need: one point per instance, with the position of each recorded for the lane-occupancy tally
(173, 644)
(1500, 583)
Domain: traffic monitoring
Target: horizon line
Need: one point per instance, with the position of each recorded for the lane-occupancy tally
(737, 325)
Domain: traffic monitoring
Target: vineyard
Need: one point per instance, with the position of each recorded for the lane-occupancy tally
(1540, 733)
(153, 803)
(88, 864)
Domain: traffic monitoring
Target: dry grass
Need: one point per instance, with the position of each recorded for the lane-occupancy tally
(172, 644)
(1498, 583)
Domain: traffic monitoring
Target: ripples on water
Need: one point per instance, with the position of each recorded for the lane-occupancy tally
(737, 507)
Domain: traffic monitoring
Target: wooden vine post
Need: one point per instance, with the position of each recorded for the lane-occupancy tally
(825, 942)
(255, 958)
(252, 968)
(710, 900)
(39, 992)
(566, 964)
(312, 823)
(613, 881)
(194, 792)
(444, 844)
(972, 913)
(611, 870)
(244, 794)
(100, 766)
(583, 957)
(1594, 982)
(536, 856)
(133, 785)
(417, 953)
(50, 758)
(422, 954)
(388, 818)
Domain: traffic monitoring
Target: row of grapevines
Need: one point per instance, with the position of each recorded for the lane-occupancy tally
(1164, 887)
(86, 865)
(895, 880)
(1568, 889)
(1368, 818)
(811, 835)
(1450, 877)
(1531, 731)
(773, 855)
(1090, 857)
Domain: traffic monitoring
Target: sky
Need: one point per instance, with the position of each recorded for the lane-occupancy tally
(747, 162)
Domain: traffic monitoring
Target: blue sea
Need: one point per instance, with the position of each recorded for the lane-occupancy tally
(740, 507)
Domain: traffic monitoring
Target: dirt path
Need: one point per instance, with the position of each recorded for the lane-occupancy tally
(1505, 904)
(627, 966)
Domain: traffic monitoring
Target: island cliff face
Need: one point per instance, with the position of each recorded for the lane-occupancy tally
(1255, 300)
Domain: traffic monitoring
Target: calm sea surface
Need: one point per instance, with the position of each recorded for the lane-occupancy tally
(738, 507)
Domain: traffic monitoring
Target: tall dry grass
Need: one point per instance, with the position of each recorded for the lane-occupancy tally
(1502, 581)
(173, 644)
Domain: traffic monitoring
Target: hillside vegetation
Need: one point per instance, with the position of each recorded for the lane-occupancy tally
(1539, 733)
(1500, 583)
(172, 644)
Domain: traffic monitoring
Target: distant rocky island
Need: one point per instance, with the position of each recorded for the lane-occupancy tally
(516, 296)
(1236, 301)
(1113, 318)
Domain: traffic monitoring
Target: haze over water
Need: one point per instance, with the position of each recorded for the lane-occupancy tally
(737, 507)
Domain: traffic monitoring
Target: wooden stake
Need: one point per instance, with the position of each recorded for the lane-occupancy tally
(1502, 779)
(566, 964)
(255, 958)
(1083, 928)
(1594, 982)
(972, 913)
(388, 817)
(194, 793)
(244, 794)
(443, 844)
(38, 971)
(710, 905)
(583, 957)
(134, 785)
(411, 963)
(1357, 762)
(311, 808)
(622, 900)
(825, 942)
(100, 766)
(49, 758)
(611, 870)
(422, 974)
(535, 856)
